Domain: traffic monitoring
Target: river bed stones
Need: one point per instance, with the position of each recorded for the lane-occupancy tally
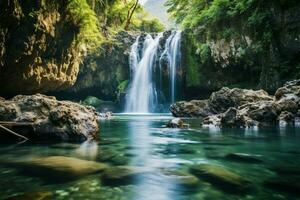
(182, 179)
(285, 183)
(44, 195)
(221, 177)
(243, 157)
(57, 168)
(121, 175)
(51, 119)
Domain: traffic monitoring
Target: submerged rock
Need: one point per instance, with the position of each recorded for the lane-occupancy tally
(287, 169)
(121, 175)
(181, 179)
(242, 157)
(33, 196)
(285, 183)
(58, 168)
(50, 119)
(221, 177)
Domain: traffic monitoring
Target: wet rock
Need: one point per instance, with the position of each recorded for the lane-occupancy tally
(242, 157)
(51, 119)
(285, 183)
(195, 108)
(245, 108)
(225, 98)
(183, 179)
(121, 175)
(175, 123)
(58, 168)
(221, 177)
(33, 196)
(286, 116)
(248, 115)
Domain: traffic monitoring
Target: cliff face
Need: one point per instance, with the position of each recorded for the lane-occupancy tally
(39, 50)
(232, 54)
(104, 73)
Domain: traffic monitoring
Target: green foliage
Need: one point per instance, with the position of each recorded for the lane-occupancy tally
(152, 25)
(123, 85)
(254, 27)
(205, 53)
(86, 20)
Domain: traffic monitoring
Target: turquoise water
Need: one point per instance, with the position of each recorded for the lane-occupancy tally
(142, 141)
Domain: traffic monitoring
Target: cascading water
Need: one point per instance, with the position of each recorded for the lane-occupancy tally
(172, 50)
(147, 94)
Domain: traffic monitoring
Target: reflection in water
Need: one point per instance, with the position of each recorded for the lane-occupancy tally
(88, 150)
(149, 185)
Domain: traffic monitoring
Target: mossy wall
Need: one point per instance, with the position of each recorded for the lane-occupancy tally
(248, 44)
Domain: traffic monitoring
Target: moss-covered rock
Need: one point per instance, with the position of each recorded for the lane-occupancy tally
(122, 175)
(221, 177)
(58, 168)
(243, 157)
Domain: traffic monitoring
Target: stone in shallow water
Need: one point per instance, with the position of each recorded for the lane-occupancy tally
(243, 157)
(286, 183)
(221, 177)
(58, 168)
(33, 196)
(121, 175)
(182, 179)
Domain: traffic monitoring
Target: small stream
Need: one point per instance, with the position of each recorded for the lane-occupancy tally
(142, 141)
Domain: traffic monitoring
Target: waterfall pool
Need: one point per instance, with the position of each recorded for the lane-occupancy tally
(160, 161)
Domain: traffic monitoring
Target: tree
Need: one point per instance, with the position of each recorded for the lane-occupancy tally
(130, 13)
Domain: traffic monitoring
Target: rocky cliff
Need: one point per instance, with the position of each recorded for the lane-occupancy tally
(257, 47)
(105, 72)
(42, 44)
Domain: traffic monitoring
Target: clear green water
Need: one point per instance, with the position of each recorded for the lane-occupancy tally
(142, 141)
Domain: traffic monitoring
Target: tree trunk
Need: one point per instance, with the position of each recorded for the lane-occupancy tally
(130, 14)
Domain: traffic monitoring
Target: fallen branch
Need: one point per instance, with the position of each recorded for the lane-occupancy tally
(14, 133)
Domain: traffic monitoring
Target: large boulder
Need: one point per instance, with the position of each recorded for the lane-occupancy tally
(195, 108)
(221, 177)
(225, 98)
(57, 168)
(245, 108)
(50, 119)
(218, 102)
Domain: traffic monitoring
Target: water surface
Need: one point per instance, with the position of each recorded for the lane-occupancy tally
(142, 141)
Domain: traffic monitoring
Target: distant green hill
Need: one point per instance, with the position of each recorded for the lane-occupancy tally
(157, 9)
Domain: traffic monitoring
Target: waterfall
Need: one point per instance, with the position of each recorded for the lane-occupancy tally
(172, 50)
(146, 93)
